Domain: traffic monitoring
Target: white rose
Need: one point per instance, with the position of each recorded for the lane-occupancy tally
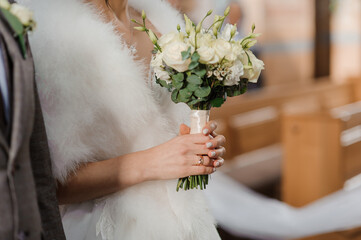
(5, 4)
(236, 72)
(252, 74)
(207, 55)
(157, 64)
(169, 38)
(172, 56)
(22, 13)
(227, 32)
(205, 40)
(222, 48)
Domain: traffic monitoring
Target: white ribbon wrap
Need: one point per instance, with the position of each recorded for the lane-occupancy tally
(199, 119)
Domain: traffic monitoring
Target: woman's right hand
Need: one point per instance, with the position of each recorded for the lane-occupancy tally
(179, 157)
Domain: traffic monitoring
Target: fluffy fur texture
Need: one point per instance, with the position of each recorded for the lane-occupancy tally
(97, 105)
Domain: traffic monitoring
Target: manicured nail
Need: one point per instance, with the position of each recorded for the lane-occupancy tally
(209, 145)
(220, 161)
(217, 164)
(213, 154)
(214, 169)
(205, 131)
(213, 125)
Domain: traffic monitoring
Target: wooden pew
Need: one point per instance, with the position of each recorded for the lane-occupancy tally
(252, 126)
(321, 152)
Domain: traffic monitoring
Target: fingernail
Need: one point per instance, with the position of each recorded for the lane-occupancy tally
(220, 161)
(213, 154)
(217, 164)
(213, 125)
(205, 131)
(214, 169)
(209, 145)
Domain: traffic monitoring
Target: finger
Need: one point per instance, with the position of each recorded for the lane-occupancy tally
(201, 170)
(196, 138)
(216, 142)
(184, 129)
(209, 128)
(202, 160)
(218, 163)
(216, 153)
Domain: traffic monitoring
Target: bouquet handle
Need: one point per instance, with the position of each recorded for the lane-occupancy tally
(199, 119)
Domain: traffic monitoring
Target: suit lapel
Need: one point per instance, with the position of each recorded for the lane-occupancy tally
(19, 98)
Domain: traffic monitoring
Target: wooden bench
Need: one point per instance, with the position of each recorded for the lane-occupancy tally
(321, 152)
(252, 126)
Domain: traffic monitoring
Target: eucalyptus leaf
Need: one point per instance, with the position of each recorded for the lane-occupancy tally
(186, 54)
(194, 79)
(202, 92)
(200, 72)
(192, 87)
(195, 57)
(177, 85)
(179, 77)
(193, 65)
(184, 95)
(195, 101)
(175, 95)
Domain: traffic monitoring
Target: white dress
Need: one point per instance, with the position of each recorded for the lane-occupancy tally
(97, 105)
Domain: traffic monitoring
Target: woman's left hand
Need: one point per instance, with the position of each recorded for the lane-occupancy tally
(215, 144)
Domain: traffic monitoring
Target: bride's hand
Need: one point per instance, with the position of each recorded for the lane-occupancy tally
(215, 143)
(186, 155)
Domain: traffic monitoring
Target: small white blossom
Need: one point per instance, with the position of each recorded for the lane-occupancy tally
(5, 4)
(22, 13)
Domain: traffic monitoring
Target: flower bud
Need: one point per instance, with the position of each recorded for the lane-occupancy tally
(253, 27)
(142, 29)
(234, 30)
(209, 12)
(226, 12)
(189, 24)
(152, 36)
(178, 27)
(144, 16)
(5, 4)
(199, 27)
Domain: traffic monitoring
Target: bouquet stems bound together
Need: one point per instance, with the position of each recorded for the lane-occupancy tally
(202, 67)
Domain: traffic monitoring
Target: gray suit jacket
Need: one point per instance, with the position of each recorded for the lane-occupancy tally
(28, 204)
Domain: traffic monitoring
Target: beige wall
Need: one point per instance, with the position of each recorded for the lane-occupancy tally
(346, 40)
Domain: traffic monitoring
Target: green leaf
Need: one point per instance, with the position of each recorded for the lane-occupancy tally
(184, 95)
(13, 21)
(179, 77)
(195, 101)
(200, 73)
(194, 79)
(175, 95)
(163, 83)
(217, 102)
(186, 54)
(195, 57)
(202, 92)
(193, 65)
(192, 87)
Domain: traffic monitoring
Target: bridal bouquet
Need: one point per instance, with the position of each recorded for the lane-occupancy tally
(202, 67)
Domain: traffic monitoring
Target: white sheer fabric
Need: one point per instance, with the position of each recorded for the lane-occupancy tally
(245, 213)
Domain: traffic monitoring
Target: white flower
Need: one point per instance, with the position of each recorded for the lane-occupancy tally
(157, 65)
(172, 56)
(168, 38)
(205, 39)
(222, 48)
(236, 72)
(22, 13)
(5, 4)
(229, 32)
(252, 74)
(207, 55)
